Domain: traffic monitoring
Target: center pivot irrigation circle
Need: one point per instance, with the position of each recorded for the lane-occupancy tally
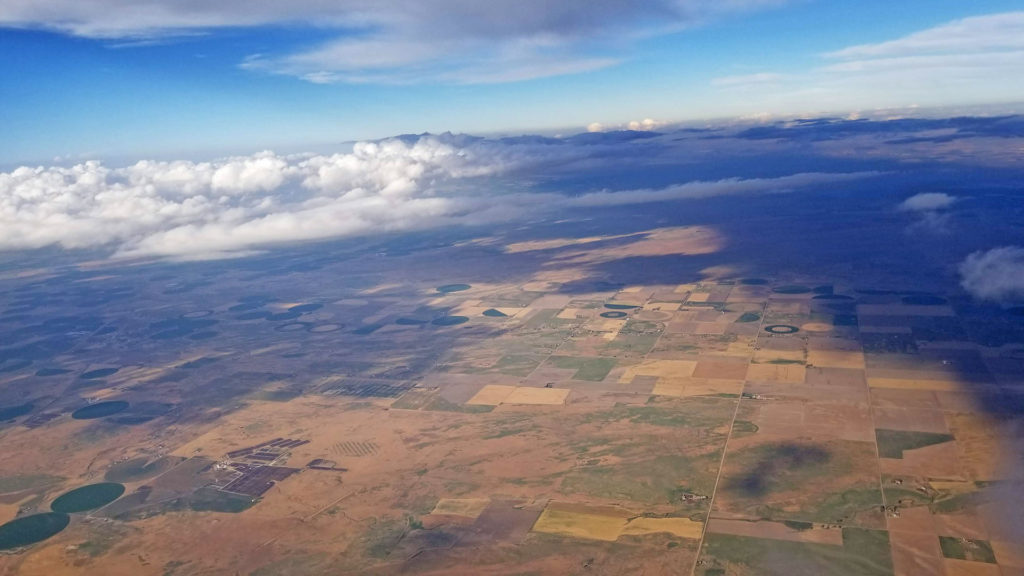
(781, 329)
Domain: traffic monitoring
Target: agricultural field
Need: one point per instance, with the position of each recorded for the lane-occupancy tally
(531, 406)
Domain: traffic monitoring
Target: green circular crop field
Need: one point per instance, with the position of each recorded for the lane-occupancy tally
(614, 314)
(450, 320)
(410, 322)
(748, 317)
(325, 328)
(621, 306)
(12, 412)
(754, 281)
(99, 373)
(294, 327)
(31, 529)
(99, 410)
(87, 497)
(448, 288)
(781, 329)
(791, 289)
(492, 313)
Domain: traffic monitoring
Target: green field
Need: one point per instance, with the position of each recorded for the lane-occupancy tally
(87, 497)
(139, 469)
(449, 288)
(589, 369)
(31, 529)
(747, 317)
(449, 320)
(863, 553)
(792, 289)
(892, 443)
(99, 373)
(965, 549)
(12, 412)
(99, 410)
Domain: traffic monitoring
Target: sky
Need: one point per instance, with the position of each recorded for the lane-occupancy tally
(120, 80)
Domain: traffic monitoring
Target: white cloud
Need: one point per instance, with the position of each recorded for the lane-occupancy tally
(215, 209)
(760, 78)
(645, 125)
(996, 275)
(727, 187)
(927, 202)
(461, 41)
(978, 59)
(989, 33)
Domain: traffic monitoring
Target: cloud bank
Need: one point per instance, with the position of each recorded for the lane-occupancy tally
(996, 275)
(208, 209)
(399, 40)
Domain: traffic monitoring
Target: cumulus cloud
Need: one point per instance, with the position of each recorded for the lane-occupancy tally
(996, 275)
(927, 202)
(209, 209)
(399, 40)
(645, 125)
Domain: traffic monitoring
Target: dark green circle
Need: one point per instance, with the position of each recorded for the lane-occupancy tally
(294, 326)
(13, 365)
(621, 306)
(410, 322)
(791, 289)
(325, 328)
(46, 372)
(614, 314)
(99, 410)
(305, 308)
(754, 281)
(99, 373)
(31, 529)
(449, 320)
(492, 313)
(88, 497)
(448, 288)
(781, 329)
(12, 412)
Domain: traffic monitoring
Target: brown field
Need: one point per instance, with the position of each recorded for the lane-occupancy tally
(550, 441)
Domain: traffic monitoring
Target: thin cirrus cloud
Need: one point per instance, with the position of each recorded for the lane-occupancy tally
(192, 210)
(976, 59)
(399, 41)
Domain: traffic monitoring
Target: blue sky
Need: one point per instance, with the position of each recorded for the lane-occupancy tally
(157, 78)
